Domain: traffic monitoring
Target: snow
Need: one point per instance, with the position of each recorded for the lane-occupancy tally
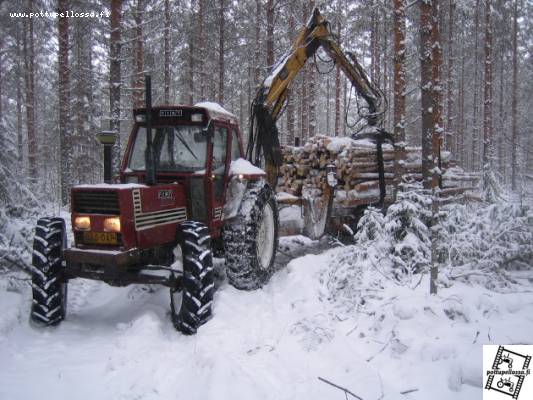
(215, 108)
(273, 343)
(333, 313)
(284, 196)
(244, 167)
(275, 72)
(339, 143)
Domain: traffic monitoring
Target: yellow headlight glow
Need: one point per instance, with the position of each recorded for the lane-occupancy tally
(112, 224)
(82, 223)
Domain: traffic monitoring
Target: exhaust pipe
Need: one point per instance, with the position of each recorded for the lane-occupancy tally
(149, 153)
(107, 138)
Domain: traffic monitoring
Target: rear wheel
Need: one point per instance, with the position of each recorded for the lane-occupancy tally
(251, 240)
(191, 306)
(49, 286)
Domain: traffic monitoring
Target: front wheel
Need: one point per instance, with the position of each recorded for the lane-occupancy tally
(251, 240)
(49, 286)
(191, 306)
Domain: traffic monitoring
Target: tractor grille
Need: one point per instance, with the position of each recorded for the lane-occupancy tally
(96, 202)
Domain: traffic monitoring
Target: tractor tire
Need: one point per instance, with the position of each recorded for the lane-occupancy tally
(191, 306)
(251, 240)
(49, 286)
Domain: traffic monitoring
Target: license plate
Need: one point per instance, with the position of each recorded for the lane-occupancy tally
(100, 238)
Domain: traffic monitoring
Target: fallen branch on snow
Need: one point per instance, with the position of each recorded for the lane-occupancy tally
(346, 391)
(409, 391)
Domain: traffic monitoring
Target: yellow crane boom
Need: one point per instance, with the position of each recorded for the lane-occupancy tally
(272, 95)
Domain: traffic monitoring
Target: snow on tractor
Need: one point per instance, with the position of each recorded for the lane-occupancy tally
(184, 191)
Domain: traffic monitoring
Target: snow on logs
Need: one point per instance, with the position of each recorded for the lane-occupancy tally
(357, 169)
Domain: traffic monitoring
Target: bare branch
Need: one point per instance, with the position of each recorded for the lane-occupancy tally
(346, 391)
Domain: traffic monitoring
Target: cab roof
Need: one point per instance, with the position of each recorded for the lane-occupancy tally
(200, 112)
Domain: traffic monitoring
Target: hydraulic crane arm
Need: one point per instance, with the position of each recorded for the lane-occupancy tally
(272, 95)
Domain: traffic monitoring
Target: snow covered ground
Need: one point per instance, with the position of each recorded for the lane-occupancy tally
(273, 343)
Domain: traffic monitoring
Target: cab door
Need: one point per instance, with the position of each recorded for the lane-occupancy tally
(218, 179)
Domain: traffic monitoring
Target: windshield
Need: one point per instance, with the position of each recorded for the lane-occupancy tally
(177, 148)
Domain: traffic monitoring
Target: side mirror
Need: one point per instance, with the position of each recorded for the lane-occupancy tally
(331, 173)
(200, 137)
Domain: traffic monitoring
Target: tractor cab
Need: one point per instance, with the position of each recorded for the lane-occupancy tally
(193, 146)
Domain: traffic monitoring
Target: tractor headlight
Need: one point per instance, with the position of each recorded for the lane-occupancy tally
(112, 224)
(82, 223)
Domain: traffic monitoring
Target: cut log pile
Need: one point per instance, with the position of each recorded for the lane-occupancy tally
(356, 165)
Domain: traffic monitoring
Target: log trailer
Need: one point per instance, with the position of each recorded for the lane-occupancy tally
(264, 146)
(184, 192)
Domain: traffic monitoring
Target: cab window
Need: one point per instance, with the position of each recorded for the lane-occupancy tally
(220, 142)
(235, 149)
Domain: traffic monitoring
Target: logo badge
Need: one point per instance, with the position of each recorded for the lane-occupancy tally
(165, 194)
(170, 113)
(506, 372)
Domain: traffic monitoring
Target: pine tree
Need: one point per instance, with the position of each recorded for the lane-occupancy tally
(221, 40)
(115, 79)
(29, 78)
(399, 88)
(514, 106)
(487, 103)
(64, 100)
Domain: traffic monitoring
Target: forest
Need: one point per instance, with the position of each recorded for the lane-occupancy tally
(412, 296)
(65, 79)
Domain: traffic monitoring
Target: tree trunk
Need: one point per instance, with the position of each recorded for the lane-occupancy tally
(386, 34)
(501, 114)
(290, 100)
(80, 142)
(338, 85)
(29, 78)
(311, 100)
(450, 133)
(487, 95)
(514, 102)
(431, 60)
(221, 37)
(63, 80)
(2, 142)
(475, 124)
(115, 80)
(373, 42)
(166, 98)
(138, 91)
(192, 40)
(399, 88)
(462, 154)
(257, 57)
(19, 99)
(270, 34)
(304, 109)
(426, 92)
(201, 47)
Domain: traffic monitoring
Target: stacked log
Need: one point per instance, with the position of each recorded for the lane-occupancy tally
(356, 165)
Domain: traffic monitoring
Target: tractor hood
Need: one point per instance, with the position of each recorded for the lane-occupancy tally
(148, 215)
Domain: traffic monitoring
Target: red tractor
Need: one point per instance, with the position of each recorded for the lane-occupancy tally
(184, 191)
